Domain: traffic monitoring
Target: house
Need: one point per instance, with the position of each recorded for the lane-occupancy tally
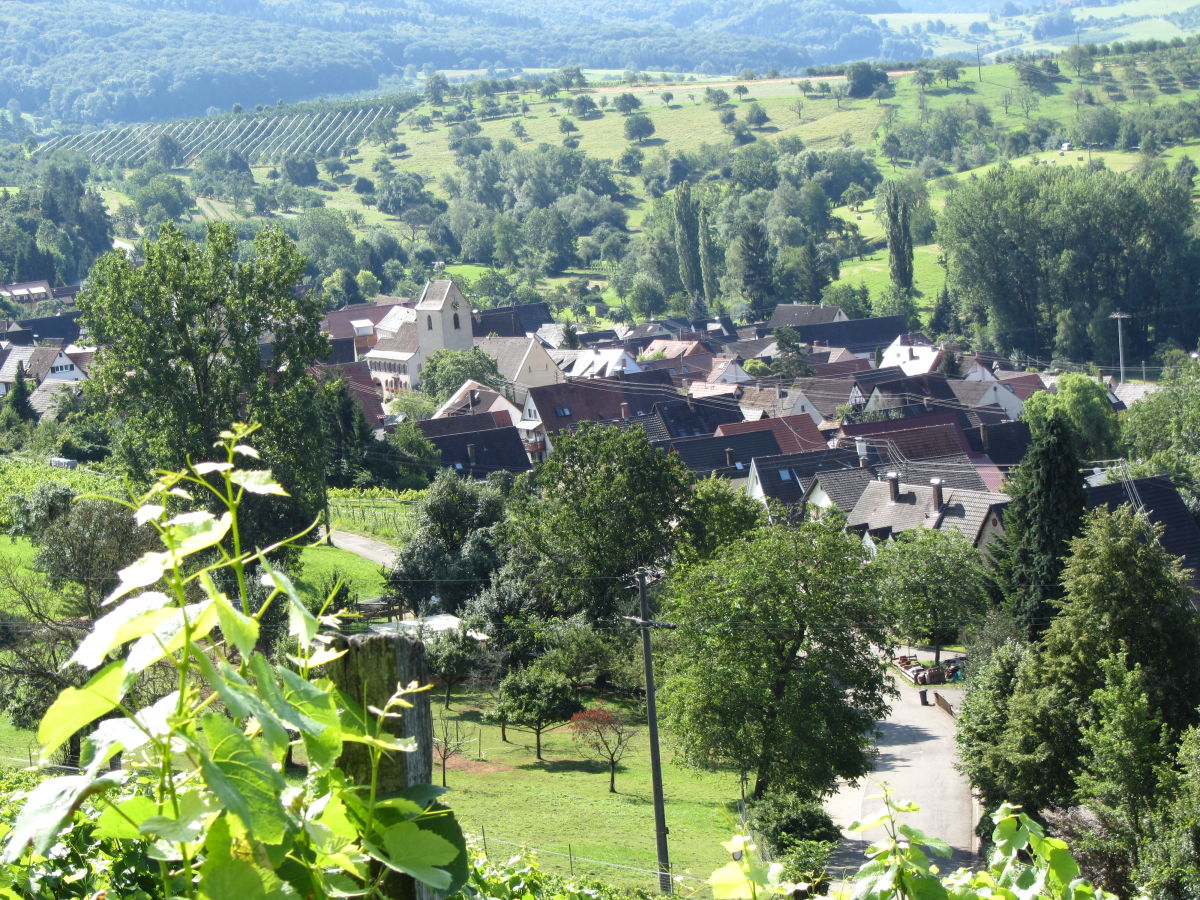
(596, 362)
(784, 479)
(473, 397)
(465, 424)
(47, 398)
(683, 371)
(862, 337)
(838, 488)
(38, 364)
(553, 407)
(797, 315)
(727, 457)
(520, 320)
(1129, 392)
(793, 434)
(1163, 506)
(913, 353)
(27, 332)
(522, 362)
(977, 394)
(889, 507)
(28, 293)
(358, 322)
(772, 399)
(1023, 384)
(476, 454)
(670, 349)
(919, 390)
(921, 442)
(407, 337)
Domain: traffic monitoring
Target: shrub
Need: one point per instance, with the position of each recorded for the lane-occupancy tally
(784, 818)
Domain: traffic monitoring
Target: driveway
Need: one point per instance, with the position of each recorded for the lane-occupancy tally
(916, 759)
(375, 551)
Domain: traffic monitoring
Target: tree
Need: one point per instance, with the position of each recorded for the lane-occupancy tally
(604, 736)
(1078, 57)
(789, 669)
(932, 584)
(448, 742)
(446, 370)
(638, 128)
(756, 116)
(17, 398)
(1083, 404)
(949, 70)
(436, 86)
(1047, 501)
(749, 270)
(840, 93)
(334, 165)
(716, 515)
(686, 241)
(179, 358)
(667, 97)
(896, 215)
(923, 78)
(862, 79)
(1126, 760)
(707, 263)
(454, 547)
(451, 655)
(167, 150)
(626, 103)
(535, 700)
(604, 505)
(1123, 594)
(1157, 433)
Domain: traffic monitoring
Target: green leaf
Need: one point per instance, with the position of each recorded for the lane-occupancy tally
(194, 807)
(243, 701)
(302, 624)
(45, 809)
(197, 530)
(207, 468)
(169, 637)
(418, 853)
(143, 573)
(730, 883)
(135, 617)
(76, 707)
(239, 629)
(123, 825)
(243, 779)
(325, 746)
(257, 481)
(916, 836)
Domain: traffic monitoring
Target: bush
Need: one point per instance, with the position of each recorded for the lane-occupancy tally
(784, 818)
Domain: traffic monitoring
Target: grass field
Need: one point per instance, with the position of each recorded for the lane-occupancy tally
(564, 802)
(322, 562)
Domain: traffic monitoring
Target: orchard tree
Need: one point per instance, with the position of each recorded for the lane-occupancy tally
(452, 655)
(535, 700)
(602, 735)
(626, 103)
(638, 127)
(773, 667)
(932, 584)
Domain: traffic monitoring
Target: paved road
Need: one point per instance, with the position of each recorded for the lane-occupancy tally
(375, 551)
(916, 758)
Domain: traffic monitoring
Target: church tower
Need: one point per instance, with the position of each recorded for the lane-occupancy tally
(443, 318)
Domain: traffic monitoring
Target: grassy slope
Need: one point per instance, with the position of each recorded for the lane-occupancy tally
(687, 122)
(565, 801)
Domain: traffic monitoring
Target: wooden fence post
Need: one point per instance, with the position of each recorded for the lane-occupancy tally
(369, 672)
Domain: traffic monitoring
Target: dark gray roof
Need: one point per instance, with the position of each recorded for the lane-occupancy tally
(511, 321)
(857, 335)
(64, 327)
(728, 456)
(495, 450)
(693, 418)
(793, 315)
(914, 388)
(1004, 443)
(962, 510)
(844, 486)
(1163, 506)
(786, 478)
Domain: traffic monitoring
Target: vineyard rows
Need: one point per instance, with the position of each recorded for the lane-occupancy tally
(258, 138)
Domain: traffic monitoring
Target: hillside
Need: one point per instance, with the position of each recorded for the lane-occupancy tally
(97, 61)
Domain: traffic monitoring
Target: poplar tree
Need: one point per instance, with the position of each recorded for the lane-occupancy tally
(896, 215)
(708, 278)
(686, 244)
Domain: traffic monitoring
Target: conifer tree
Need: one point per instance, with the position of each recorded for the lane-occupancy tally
(1043, 515)
(18, 397)
(750, 270)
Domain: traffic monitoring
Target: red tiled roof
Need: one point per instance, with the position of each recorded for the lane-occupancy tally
(794, 434)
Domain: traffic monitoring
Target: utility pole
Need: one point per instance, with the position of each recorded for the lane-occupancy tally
(660, 815)
(1120, 317)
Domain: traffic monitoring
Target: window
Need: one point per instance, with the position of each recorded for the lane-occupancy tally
(456, 325)
(562, 411)
(429, 323)
(738, 465)
(785, 475)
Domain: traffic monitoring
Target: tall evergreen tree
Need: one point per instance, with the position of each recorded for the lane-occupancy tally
(896, 214)
(18, 397)
(708, 277)
(1043, 515)
(750, 271)
(686, 240)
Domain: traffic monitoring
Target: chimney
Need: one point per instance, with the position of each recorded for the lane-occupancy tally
(729, 456)
(983, 436)
(860, 446)
(471, 453)
(912, 352)
(893, 480)
(625, 413)
(938, 499)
